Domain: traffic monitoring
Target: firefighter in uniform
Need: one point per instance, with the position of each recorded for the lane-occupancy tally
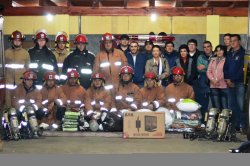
(42, 59)
(127, 94)
(27, 94)
(178, 89)
(98, 101)
(153, 96)
(61, 51)
(82, 60)
(75, 93)
(109, 61)
(53, 100)
(16, 62)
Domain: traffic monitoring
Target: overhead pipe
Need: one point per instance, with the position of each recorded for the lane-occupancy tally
(79, 24)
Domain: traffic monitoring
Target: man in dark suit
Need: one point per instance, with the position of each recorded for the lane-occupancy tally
(137, 61)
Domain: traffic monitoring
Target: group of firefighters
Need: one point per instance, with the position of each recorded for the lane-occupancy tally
(53, 82)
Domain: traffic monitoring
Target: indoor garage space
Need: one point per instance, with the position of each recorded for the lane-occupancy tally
(124, 76)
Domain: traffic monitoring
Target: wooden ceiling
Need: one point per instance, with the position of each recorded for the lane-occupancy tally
(126, 7)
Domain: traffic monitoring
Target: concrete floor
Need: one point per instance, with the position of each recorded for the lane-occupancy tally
(113, 145)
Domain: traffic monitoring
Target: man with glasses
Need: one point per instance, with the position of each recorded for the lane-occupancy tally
(234, 77)
(202, 95)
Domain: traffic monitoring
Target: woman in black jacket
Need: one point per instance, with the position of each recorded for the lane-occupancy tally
(187, 64)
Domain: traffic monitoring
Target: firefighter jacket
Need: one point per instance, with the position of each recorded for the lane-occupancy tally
(155, 96)
(110, 64)
(60, 57)
(174, 93)
(76, 96)
(16, 62)
(83, 63)
(24, 97)
(127, 96)
(50, 95)
(98, 99)
(42, 60)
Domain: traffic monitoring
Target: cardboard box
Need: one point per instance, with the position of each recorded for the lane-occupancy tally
(144, 125)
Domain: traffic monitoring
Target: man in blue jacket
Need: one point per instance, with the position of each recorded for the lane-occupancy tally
(137, 61)
(171, 55)
(234, 76)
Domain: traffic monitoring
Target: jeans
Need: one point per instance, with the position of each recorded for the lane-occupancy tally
(202, 93)
(236, 103)
(219, 98)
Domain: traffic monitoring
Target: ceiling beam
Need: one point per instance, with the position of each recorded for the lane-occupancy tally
(75, 10)
(46, 3)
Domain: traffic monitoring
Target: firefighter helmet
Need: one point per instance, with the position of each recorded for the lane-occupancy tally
(80, 38)
(177, 71)
(98, 76)
(17, 35)
(29, 75)
(127, 70)
(41, 34)
(151, 75)
(49, 75)
(72, 74)
(61, 38)
(107, 36)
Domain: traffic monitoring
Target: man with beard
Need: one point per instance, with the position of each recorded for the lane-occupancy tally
(127, 94)
(75, 93)
(53, 101)
(109, 61)
(178, 89)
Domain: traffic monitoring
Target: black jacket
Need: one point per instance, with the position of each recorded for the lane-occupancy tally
(189, 69)
(80, 60)
(41, 57)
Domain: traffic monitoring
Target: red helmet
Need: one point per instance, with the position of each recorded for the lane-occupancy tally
(61, 38)
(17, 35)
(49, 75)
(72, 74)
(29, 75)
(107, 36)
(126, 70)
(151, 75)
(41, 35)
(98, 76)
(177, 71)
(80, 38)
